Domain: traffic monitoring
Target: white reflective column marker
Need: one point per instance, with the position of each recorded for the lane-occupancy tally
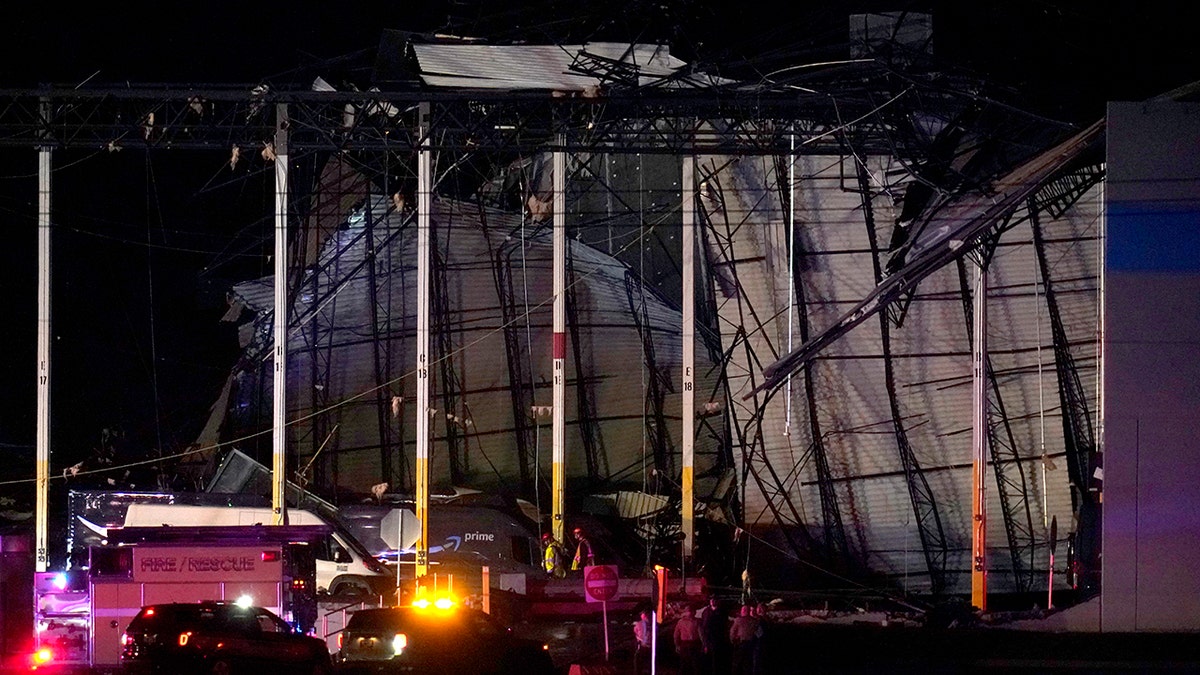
(424, 219)
(689, 356)
(279, 398)
(979, 443)
(558, 424)
(41, 525)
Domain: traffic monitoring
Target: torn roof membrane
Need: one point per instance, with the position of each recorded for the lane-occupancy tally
(573, 68)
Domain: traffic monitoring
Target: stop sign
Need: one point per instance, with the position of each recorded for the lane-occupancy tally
(600, 583)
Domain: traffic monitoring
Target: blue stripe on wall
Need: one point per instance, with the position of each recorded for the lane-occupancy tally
(1150, 237)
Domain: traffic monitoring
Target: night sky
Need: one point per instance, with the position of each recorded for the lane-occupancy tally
(147, 244)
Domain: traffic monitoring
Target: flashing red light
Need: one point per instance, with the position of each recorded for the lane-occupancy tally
(42, 656)
(341, 639)
(270, 556)
(149, 611)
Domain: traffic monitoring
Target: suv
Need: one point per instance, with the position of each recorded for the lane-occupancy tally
(217, 638)
(438, 638)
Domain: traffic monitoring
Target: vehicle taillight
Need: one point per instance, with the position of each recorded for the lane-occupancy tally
(399, 642)
(42, 656)
(341, 639)
(125, 639)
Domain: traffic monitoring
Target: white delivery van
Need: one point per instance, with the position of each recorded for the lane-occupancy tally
(344, 566)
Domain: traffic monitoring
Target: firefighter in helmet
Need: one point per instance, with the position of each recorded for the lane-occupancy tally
(584, 555)
(552, 558)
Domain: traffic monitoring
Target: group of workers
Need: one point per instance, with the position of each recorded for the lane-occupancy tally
(724, 646)
(554, 554)
(710, 644)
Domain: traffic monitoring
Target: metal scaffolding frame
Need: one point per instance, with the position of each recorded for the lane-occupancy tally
(1078, 436)
(589, 431)
(521, 389)
(925, 509)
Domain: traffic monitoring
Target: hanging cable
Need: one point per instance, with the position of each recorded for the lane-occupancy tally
(1037, 313)
(642, 310)
(537, 427)
(791, 272)
(150, 289)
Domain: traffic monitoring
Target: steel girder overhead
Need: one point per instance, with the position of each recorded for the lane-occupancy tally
(744, 120)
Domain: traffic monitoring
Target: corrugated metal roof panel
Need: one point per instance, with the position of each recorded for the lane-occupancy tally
(556, 67)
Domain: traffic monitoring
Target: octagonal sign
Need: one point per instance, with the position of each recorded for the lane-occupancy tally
(600, 583)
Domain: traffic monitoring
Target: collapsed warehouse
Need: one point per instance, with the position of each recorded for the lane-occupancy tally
(816, 195)
(842, 213)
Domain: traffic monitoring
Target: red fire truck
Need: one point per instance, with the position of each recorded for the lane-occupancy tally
(80, 618)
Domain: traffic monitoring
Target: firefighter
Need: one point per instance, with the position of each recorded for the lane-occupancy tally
(584, 555)
(552, 559)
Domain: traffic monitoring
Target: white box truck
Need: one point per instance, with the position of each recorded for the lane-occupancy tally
(344, 566)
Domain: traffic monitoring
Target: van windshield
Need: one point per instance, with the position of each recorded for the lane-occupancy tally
(345, 538)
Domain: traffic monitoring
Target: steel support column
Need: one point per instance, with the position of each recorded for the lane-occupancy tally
(1012, 489)
(282, 298)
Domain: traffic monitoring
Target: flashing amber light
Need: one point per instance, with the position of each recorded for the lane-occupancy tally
(184, 637)
(341, 640)
(43, 656)
(443, 603)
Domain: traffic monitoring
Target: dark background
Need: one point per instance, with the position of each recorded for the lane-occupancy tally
(147, 243)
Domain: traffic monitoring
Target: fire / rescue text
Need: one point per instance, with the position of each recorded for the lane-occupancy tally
(202, 564)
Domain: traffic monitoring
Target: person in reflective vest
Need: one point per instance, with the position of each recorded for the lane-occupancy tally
(584, 555)
(552, 560)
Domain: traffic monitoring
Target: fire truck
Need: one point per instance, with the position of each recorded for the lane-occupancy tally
(80, 616)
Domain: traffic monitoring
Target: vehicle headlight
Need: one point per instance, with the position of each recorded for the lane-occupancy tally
(399, 642)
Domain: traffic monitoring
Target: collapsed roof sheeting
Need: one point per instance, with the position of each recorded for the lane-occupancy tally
(929, 354)
(566, 68)
(349, 319)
